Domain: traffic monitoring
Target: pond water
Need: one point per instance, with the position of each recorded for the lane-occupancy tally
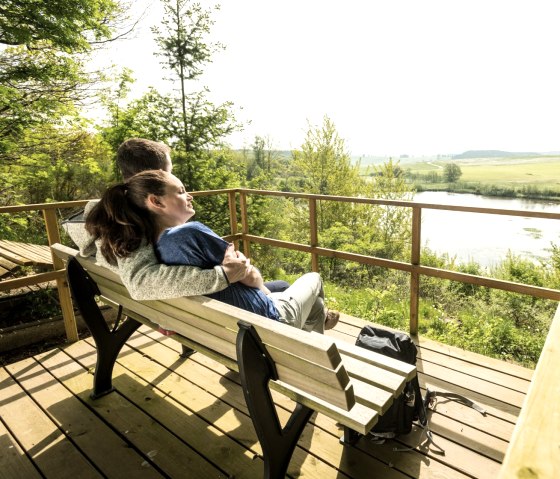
(486, 239)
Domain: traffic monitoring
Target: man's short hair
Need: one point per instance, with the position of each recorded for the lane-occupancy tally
(138, 154)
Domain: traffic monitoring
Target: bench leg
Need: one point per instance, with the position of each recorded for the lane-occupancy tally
(108, 343)
(256, 368)
(186, 352)
(349, 436)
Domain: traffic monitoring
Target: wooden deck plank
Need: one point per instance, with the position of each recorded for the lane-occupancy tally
(7, 264)
(230, 416)
(52, 452)
(171, 456)
(302, 463)
(436, 469)
(15, 257)
(180, 405)
(97, 441)
(13, 460)
(25, 254)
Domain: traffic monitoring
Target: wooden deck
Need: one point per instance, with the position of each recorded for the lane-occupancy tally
(175, 418)
(15, 254)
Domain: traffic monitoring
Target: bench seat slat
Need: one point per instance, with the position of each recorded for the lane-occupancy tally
(385, 362)
(272, 333)
(371, 396)
(375, 375)
(360, 418)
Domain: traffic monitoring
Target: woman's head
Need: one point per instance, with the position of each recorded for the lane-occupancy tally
(163, 195)
(137, 210)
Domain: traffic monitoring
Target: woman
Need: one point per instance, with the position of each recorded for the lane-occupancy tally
(154, 205)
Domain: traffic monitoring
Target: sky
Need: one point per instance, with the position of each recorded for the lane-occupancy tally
(397, 77)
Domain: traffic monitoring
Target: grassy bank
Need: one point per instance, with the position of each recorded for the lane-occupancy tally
(531, 177)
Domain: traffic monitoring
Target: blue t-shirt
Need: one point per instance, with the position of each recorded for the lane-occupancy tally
(195, 244)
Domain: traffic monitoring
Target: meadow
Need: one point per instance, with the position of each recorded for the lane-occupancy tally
(537, 177)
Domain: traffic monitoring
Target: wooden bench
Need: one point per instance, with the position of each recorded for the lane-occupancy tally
(347, 383)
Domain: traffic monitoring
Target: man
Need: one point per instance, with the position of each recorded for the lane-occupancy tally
(142, 274)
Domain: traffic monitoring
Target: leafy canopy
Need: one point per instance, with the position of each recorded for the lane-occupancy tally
(68, 25)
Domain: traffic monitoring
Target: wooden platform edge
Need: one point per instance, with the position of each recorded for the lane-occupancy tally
(534, 450)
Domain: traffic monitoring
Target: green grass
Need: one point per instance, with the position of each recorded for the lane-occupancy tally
(542, 172)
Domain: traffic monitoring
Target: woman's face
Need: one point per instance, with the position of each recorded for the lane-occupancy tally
(176, 203)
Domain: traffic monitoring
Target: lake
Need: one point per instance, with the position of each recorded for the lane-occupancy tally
(485, 238)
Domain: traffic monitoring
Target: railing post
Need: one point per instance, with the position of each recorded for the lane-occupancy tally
(414, 276)
(244, 223)
(233, 216)
(53, 236)
(313, 233)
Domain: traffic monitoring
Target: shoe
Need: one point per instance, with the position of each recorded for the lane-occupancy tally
(332, 319)
(166, 332)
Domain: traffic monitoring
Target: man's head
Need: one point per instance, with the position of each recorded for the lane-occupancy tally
(137, 154)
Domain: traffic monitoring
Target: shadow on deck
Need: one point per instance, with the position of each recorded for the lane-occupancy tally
(176, 418)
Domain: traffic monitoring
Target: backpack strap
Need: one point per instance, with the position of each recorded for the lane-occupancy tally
(431, 395)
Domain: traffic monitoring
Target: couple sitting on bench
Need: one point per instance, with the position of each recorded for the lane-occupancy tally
(150, 210)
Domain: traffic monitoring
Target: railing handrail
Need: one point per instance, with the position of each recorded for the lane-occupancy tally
(413, 267)
(43, 206)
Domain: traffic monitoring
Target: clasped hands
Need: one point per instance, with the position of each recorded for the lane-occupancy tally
(237, 267)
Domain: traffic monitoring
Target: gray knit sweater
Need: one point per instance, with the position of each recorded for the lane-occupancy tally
(144, 276)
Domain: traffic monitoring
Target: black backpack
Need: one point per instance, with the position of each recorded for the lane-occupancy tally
(410, 406)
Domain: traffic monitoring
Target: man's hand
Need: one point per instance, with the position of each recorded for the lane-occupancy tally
(235, 265)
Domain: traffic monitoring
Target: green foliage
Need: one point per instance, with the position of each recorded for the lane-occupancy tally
(324, 163)
(452, 172)
(42, 72)
(503, 325)
(69, 25)
(182, 39)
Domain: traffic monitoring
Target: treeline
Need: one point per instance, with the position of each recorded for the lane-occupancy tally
(504, 191)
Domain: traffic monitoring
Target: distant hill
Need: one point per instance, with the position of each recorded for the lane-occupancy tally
(492, 154)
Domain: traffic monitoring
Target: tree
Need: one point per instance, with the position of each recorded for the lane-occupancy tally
(197, 123)
(68, 25)
(324, 163)
(387, 228)
(324, 167)
(36, 86)
(452, 172)
(42, 72)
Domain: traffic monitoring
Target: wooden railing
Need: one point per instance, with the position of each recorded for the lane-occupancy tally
(413, 267)
(238, 198)
(58, 274)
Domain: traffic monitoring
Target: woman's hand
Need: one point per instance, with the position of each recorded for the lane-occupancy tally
(235, 265)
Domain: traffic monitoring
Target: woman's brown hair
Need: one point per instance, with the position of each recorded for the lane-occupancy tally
(121, 220)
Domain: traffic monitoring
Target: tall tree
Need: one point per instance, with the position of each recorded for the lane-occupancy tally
(199, 124)
(387, 229)
(324, 162)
